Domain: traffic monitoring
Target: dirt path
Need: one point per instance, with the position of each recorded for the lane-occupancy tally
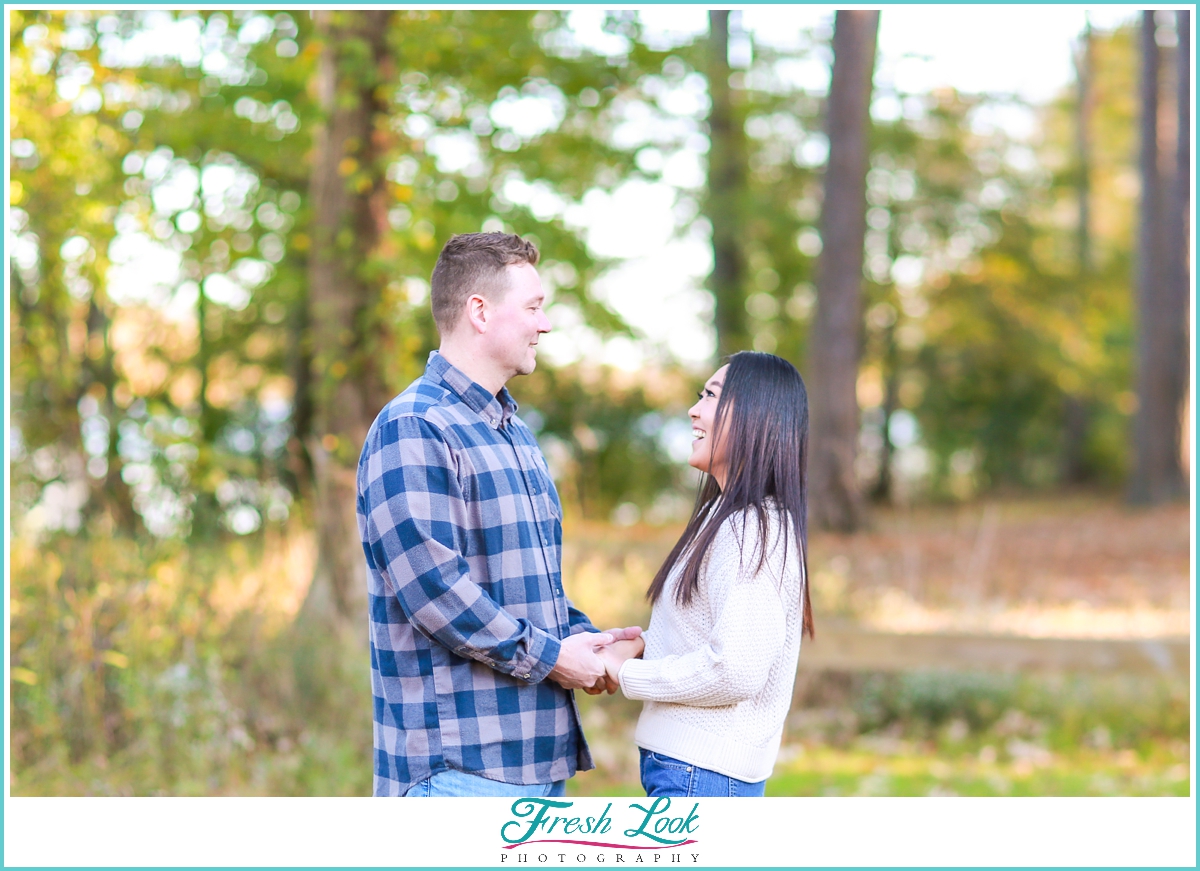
(850, 647)
(1049, 551)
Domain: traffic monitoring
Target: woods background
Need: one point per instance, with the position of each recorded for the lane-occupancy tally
(220, 231)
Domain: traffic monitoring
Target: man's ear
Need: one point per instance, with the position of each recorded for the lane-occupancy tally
(477, 314)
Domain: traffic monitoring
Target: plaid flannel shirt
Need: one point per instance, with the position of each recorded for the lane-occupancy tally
(462, 530)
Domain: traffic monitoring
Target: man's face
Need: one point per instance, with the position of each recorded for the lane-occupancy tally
(517, 321)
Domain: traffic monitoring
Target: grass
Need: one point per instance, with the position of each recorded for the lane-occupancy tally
(821, 771)
(824, 771)
(950, 734)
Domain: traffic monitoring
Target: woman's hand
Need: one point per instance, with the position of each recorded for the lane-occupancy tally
(627, 644)
(614, 656)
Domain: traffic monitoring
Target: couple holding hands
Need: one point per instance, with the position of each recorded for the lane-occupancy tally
(475, 648)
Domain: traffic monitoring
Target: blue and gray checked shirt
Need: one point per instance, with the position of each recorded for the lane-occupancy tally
(462, 530)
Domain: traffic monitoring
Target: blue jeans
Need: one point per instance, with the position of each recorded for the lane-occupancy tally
(461, 784)
(665, 775)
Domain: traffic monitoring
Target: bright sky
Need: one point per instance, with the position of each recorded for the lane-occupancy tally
(1024, 50)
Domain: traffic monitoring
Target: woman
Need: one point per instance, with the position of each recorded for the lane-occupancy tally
(730, 602)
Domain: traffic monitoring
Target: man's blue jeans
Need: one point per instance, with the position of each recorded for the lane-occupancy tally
(666, 775)
(461, 784)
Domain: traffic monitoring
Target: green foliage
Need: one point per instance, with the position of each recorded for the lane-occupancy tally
(1059, 711)
(127, 366)
(931, 699)
(863, 773)
(179, 402)
(1021, 329)
(603, 441)
(132, 674)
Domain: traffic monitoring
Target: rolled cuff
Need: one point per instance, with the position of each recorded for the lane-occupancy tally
(540, 657)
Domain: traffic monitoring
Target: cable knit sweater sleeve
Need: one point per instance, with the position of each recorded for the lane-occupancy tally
(748, 633)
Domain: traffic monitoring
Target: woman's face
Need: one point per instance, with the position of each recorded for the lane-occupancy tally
(703, 415)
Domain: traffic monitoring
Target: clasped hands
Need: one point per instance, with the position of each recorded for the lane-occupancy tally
(590, 661)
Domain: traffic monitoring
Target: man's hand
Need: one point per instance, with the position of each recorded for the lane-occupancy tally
(578, 666)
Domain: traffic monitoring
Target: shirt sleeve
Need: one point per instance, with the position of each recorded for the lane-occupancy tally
(578, 621)
(734, 662)
(415, 522)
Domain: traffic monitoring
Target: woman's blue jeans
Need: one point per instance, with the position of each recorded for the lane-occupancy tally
(666, 775)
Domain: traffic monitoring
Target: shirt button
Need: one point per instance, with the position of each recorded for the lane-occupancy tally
(525, 677)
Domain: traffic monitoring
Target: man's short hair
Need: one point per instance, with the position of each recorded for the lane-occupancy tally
(473, 263)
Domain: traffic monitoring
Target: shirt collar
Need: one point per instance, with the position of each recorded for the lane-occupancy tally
(496, 410)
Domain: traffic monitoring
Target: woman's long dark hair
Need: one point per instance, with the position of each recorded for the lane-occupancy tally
(762, 420)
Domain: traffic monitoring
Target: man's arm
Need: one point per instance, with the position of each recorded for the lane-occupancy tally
(415, 533)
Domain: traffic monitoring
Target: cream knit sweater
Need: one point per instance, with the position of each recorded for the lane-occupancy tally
(717, 675)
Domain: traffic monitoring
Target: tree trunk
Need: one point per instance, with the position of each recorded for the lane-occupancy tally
(836, 502)
(205, 510)
(726, 192)
(1157, 473)
(1177, 230)
(299, 464)
(348, 203)
(1083, 110)
(1076, 416)
(1076, 423)
(110, 494)
(882, 491)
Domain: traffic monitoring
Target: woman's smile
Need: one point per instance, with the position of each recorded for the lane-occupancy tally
(703, 416)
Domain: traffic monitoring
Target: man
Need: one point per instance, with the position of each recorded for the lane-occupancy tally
(475, 649)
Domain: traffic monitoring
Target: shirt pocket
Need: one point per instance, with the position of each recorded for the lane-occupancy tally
(542, 492)
(552, 500)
